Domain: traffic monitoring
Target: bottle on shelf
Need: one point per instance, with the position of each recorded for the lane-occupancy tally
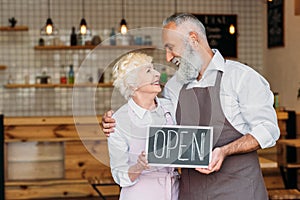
(63, 75)
(112, 37)
(80, 39)
(100, 75)
(276, 101)
(148, 40)
(10, 79)
(163, 76)
(73, 37)
(71, 75)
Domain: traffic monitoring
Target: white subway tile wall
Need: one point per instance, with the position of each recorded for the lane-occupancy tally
(24, 63)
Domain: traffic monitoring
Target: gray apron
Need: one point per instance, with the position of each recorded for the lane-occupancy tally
(240, 176)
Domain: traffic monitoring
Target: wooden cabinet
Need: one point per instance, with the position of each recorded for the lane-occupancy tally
(45, 157)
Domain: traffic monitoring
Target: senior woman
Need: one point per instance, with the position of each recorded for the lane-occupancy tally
(138, 82)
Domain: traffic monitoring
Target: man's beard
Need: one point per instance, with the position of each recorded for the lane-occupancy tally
(190, 65)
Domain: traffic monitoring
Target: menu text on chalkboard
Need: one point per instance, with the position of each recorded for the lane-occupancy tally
(275, 23)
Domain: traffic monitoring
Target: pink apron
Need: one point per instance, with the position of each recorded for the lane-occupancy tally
(157, 183)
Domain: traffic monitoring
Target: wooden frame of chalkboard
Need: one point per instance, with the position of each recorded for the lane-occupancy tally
(217, 32)
(179, 146)
(275, 12)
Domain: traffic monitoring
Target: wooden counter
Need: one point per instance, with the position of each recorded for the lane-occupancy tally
(77, 163)
(290, 142)
(54, 157)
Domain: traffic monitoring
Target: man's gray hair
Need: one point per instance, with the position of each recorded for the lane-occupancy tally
(183, 18)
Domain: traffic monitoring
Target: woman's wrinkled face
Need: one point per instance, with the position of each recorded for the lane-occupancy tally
(148, 79)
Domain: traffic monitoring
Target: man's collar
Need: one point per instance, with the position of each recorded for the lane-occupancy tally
(217, 62)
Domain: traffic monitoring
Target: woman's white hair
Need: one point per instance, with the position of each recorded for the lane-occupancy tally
(124, 72)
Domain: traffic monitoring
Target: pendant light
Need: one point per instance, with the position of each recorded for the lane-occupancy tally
(83, 25)
(231, 27)
(49, 28)
(123, 24)
(175, 6)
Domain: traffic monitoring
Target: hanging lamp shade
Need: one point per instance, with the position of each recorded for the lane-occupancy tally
(83, 28)
(231, 28)
(123, 23)
(123, 26)
(49, 28)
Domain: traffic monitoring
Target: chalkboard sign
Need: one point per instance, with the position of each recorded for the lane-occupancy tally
(218, 35)
(179, 146)
(275, 23)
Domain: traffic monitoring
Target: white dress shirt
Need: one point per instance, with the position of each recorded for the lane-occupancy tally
(129, 137)
(246, 98)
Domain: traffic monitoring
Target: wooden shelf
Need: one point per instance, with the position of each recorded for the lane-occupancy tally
(2, 67)
(16, 28)
(67, 120)
(12, 86)
(267, 163)
(56, 47)
(44, 182)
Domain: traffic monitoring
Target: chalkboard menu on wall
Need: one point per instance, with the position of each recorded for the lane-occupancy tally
(218, 35)
(275, 23)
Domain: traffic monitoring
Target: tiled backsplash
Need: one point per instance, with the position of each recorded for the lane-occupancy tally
(24, 63)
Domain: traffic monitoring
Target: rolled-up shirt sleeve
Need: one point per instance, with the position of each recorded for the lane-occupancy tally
(119, 159)
(256, 106)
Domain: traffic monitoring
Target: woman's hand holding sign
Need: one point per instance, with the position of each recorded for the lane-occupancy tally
(135, 170)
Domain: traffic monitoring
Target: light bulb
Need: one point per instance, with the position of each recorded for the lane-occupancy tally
(49, 29)
(83, 29)
(123, 26)
(231, 29)
(123, 29)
